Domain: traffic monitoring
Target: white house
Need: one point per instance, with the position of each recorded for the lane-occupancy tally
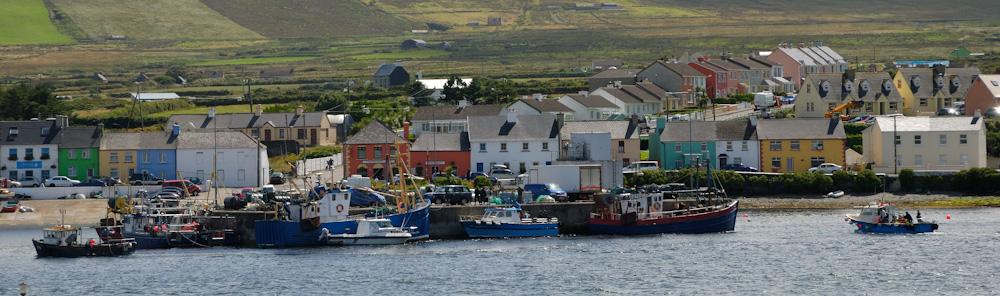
(30, 148)
(536, 105)
(519, 142)
(449, 119)
(240, 162)
(634, 99)
(737, 143)
(925, 144)
(588, 107)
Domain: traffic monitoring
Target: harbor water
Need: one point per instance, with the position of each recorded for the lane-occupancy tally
(800, 252)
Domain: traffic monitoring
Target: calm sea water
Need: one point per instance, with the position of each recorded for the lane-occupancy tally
(812, 252)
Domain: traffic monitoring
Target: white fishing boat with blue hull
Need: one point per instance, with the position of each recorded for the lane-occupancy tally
(368, 232)
(885, 218)
(508, 221)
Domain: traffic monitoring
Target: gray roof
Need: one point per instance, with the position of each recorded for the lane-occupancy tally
(248, 120)
(681, 69)
(386, 69)
(801, 128)
(836, 93)
(711, 67)
(455, 113)
(139, 141)
(80, 137)
(765, 62)
(205, 139)
(442, 142)
(617, 73)
(697, 131)
(727, 65)
(376, 132)
(619, 129)
(749, 64)
(735, 130)
(29, 133)
(652, 88)
(926, 90)
(928, 123)
(592, 101)
(640, 93)
(200, 121)
(528, 127)
(546, 105)
(621, 95)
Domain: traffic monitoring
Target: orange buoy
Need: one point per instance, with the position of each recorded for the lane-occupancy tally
(948, 217)
(744, 215)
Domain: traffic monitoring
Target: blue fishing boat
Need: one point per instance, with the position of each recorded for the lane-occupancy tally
(508, 221)
(886, 218)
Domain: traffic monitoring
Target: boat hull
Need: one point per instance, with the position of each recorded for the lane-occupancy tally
(490, 230)
(338, 240)
(718, 221)
(894, 227)
(98, 250)
(160, 241)
(417, 222)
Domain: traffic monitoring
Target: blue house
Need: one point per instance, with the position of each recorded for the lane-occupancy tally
(158, 154)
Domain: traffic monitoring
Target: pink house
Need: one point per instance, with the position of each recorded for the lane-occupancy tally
(722, 81)
(800, 61)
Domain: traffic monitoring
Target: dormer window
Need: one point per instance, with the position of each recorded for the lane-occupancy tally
(848, 86)
(887, 86)
(45, 131)
(12, 131)
(864, 85)
(939, 82)
(825, 86)
(955, 82)
(915, 81)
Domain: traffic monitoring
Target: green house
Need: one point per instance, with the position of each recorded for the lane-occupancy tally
(78, 153)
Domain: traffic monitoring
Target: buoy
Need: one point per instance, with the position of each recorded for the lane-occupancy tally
(948, 217)
(744, 215)
(846, 220)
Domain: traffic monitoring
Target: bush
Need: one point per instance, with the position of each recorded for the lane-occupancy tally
(867, 181)
(843, 180)
(821, 183)
(907, 181)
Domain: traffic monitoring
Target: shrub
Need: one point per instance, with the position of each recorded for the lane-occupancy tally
(867, 181)
(907, 181)
(821, 183)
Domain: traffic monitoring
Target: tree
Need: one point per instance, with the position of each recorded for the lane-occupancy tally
(701, 97)
(22, 102)
(453, 90)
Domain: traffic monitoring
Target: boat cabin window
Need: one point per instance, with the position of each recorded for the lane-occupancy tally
(493, 214)
(507, 214)
(384, 224)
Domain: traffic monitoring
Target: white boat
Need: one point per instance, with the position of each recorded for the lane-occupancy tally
(369, 232)
(835, 194)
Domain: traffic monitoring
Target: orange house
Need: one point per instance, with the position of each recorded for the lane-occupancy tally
(436, 152)
(376, 147)
(983, 95)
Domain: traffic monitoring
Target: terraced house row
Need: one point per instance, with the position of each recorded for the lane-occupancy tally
(50, 147)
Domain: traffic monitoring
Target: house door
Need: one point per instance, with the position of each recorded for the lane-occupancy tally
(723, 161)
(267, 135)
(791, 164)
(312, 136)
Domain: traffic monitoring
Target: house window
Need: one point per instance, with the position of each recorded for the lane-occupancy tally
(281, 133)
(621, 146)
(113, 157)
(923, 102)
(90, 172)
(963, 159)
(678, 164)
(302, 133)
(898, 140)
(86, 154)
(392, 150)
(943, 159)
(816, 161)
(503, 146)
(482, 147)
(362, 153)
(13, 153)
(163, 158)
(947, 102)
(817, 145)
(131, 171)
(145, 158)
(71, 171)
(46, 175)
(869, 107)
(899, 159)
(45, 130)
(677, 147)
(71, 153)
(255, 134)
(729, 145)
(737, 160)
(746, 147)
(943, 139)
(776, 163)
(378, 152)
(241, 174)
(794, 146)
(113, 172)
(704, 146)
(545, 146)
(45, 153)
(29, 153)
(918, 160)
(128, 157)
(240, 156)
(892, 105)
(963, 139)
(524, 146)
(363, 171)
(775, 145)
(916, 140)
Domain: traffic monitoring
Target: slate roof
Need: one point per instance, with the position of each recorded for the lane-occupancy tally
(205, 139)
(735, 130)
(248, 120)
(765, 62)
(456, 113)
(590, 101)
(800, 128)
(931, 123)
(200, 121)
(696, 131)
(547, 105)
(640, 94)
(619, 129)
(385, 70)
(617, 73)
(652, 88)
(528, 127)
(749, 64)
(927, 89)
(875, 88)
(29, 133)
(714, 68)
(835, 94)
(444, 142)
(80, 137)
(376, 132)
(621, 95)
(682, 69)
(139, 141)
(727, 65)
(992, 83)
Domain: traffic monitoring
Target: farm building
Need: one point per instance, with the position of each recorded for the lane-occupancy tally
(413, 44)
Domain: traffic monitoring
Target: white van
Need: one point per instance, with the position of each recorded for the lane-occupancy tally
(639, 166)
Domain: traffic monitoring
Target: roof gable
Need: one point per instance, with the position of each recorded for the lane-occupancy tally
(525, 127)
(375, 132)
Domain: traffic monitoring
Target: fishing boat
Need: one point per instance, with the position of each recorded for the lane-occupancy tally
(67, 241)
(368, 232)
(703, 210)
(508, 221)
(152, 225)
(299, 223)
(887, 218)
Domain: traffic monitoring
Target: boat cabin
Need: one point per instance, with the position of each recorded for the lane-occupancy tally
(509, 215)
(373, 226)
(61, 235)
(332, 207)
(878, 213)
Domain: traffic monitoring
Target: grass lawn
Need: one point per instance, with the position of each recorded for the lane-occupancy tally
(400, 55)
(27, 22)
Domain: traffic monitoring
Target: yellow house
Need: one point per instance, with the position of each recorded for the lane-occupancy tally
(117, 155)
(925, 90)
(871, 92)
(795, 145)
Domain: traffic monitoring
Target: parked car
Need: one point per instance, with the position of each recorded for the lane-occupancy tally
(395, 179)
(192, 189)
(947, 112)
(452, 194)
(826, 168)
(442, 175)
(195, 180)
(639, 166)
(739, 167)
(472, 177)
(550, 189)
(144, 179)
(29, 182)
(11, 183)
(960, 107)
(277, 178)
(500, 171)
(99, 181)
(860, 119)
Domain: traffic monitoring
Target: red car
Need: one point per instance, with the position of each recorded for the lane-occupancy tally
(192, 189)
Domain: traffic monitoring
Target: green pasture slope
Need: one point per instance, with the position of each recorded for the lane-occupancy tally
(151, 20)
(27, 22)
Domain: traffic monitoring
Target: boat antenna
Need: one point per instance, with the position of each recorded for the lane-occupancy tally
(62, 221)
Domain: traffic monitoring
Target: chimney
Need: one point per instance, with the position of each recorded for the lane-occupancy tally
(819, 43)
(64, 119)
(511, 116)
(399, 63)
(462, 104)
(753, 120)
(611, 84)
(618, 84)
(708, 57)
(560, 119)
(850, 74)
(176, 129)
(584, 93)
(100, 128)
(258, 110)
(979, 113)
(298, 110)
(211, 112)
(406, 130)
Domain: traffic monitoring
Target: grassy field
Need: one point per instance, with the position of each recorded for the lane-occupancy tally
(27, 22)
(311, 18)
(152, 20)
(252, 61)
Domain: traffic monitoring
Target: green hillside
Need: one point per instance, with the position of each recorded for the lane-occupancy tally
(311, 18)
(27, 22)
(151, 20)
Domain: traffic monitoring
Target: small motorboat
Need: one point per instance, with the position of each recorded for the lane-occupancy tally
(378, 231)
(508, 221)
(67, 241)
(835, 194)
(10, 206)
(886, 218)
